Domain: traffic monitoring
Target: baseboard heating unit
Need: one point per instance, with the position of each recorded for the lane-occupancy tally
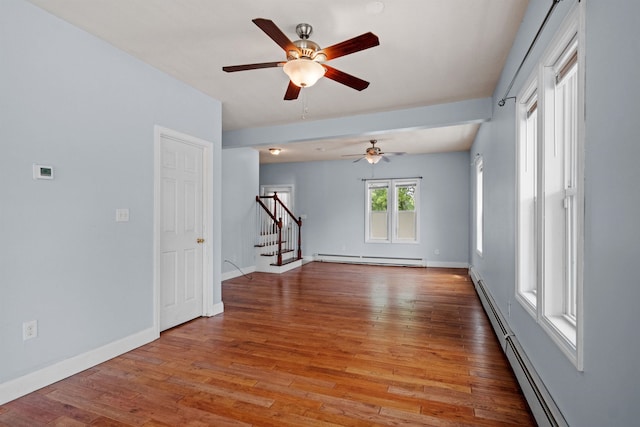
(362, 259)
(544, 409)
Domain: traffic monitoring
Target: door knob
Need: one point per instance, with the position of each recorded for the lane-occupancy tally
(200, 240)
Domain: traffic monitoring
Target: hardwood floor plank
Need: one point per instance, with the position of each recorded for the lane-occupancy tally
(323, 345)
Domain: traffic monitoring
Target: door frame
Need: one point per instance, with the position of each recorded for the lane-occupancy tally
(207, 219)
(287, 187)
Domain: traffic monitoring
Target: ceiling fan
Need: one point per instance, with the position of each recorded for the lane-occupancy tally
(373, 154)
(304, 64)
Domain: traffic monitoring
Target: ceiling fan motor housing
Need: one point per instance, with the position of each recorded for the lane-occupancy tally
(304, 31)
(373, 150)
(306, 48)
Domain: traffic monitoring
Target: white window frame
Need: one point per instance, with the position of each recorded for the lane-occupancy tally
(559, 233)
(479, 204)
(369, 185)
(527, 241)
(392, 210)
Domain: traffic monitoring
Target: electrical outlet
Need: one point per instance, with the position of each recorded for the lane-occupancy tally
(29, 330)
(437, 252)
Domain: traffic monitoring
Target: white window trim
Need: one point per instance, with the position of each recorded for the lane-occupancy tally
(566, 332)
(527, 298)
(367, 211)
(395, 183)
(392, 210)
(479, 205)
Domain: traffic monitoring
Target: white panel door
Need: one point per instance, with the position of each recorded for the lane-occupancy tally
(181, 238)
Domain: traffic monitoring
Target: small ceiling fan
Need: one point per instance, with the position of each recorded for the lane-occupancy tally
(304, 63)
(373, 154)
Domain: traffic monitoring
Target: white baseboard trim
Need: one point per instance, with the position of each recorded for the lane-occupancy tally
(540, 401)
(31, 382)
(445, 264)
(218, 308)
(235, 273)
(375, 260)
(273, 269)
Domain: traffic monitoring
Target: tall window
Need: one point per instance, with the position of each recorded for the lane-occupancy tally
(392, 211)
(378, 212)
(527, 152)
(563, 179)
(479, 204)
(550, 195)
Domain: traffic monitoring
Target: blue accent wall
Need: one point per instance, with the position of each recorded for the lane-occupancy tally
(332, 196)
(240, 174)
(606, 393)
(76, 103)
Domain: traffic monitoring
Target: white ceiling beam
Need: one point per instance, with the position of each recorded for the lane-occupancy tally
(433, 116)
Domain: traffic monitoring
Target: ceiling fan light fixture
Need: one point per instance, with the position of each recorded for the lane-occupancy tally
(275, 151)
(304, 72)
(373, 158)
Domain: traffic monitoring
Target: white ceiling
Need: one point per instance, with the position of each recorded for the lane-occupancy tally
(434, 140)
(431, 52)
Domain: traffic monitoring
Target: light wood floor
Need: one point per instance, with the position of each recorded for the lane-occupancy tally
(323, 345)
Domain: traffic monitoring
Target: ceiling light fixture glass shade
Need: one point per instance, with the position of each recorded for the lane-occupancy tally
(275, 151)
(373, 158)
(304, 72)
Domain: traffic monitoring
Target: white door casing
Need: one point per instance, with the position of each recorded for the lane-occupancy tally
(285, 193)
(181, 228)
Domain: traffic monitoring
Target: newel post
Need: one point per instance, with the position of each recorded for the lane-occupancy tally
(275, 204)
(279, 262)
(299, 237)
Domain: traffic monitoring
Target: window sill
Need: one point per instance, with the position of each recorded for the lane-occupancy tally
(564, 334)
(377, 241)
(565, 328)
(529, 301)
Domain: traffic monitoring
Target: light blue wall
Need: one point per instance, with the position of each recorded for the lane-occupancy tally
(74, 102)
(240, 174)
(607, 392)
(331, 194)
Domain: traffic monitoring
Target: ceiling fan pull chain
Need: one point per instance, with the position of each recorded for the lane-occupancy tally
(305, 104)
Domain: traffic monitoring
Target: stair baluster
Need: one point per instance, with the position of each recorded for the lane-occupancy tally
(272, 217)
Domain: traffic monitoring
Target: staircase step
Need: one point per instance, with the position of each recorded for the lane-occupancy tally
(286, 261)
(276, 253)
(262, 245)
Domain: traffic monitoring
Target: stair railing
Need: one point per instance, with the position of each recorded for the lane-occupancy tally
(276, 219)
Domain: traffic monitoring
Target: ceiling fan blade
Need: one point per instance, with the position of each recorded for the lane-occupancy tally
(386, 159)
(356, 44)
(233, 68)
(345, 79)
(275, 33)
(357, 160)
(292, 92)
